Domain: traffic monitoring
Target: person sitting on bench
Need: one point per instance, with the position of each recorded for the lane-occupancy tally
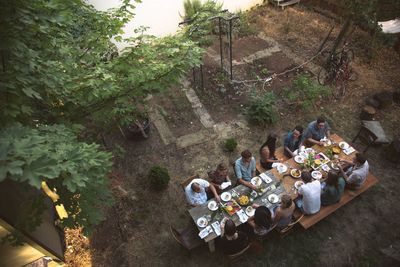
(245, 169)
(267, 152)
(310, 192)
(355, 173)
(317, 130)
(293, 141)
(333, 190)
(219, 176)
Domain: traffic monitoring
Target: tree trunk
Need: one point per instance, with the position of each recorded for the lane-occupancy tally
(346, 27)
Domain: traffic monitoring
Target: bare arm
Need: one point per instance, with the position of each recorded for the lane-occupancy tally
(315, 142)
(289, 151)
(212, 188)
(249, 185)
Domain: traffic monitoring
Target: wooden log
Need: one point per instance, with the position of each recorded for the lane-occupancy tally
(368, 113)
(385, 99)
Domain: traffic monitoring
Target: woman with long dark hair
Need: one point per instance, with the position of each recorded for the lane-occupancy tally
(267, 152)
(333, 190)
(232, 240)
(261, 222)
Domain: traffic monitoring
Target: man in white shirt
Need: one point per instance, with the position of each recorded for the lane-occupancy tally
(357, 171)
(310, 202)
(196, 193)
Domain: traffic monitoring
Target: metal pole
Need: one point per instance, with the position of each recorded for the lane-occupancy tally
(230, 47)
(220, 43)
(201, 73)
(194, 78)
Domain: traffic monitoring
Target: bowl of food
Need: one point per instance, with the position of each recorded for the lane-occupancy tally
(295, 173)
(336, 150)
(244, 200)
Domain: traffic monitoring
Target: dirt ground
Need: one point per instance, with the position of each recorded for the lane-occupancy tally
(136, 231)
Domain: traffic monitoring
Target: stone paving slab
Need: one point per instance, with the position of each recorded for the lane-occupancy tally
(158, 120)
(193, 139)
(197, 106)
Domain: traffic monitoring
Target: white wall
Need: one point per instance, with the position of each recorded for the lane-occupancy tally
(162, 16)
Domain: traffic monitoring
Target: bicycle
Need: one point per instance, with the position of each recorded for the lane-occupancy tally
(337, 70)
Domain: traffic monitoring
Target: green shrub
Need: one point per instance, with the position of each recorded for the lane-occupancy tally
(243, 26)
(159, 177)
(304, 92)
(191, 7)
(261, 109)
(230, 144)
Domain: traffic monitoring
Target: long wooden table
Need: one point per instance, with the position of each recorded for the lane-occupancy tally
(288, 182)
(284, 184)
(261, 199)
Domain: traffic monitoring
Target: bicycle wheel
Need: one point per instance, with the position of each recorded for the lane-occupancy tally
(339, 89)
(325, 77)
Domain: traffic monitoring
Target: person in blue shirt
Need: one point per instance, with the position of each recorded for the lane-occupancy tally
(245, 169)
(316, 131)
(293, 141)
(196, 192)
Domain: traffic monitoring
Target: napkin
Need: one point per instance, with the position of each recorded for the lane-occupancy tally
(265, 178)
(205, 232)
(225, 185)
(242, 216)
(275, 165)
(349, 150)
(217, 228)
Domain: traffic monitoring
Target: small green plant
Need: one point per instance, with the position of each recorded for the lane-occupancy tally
(304, 92)
(262, 110)
(119, 151)
(230, 144)
(243, 26)
(159, 177)
(264, 71)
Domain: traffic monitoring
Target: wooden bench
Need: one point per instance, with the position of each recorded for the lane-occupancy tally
(309, 220)
(278, 154)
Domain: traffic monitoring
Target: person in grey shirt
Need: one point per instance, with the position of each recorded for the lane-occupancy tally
(316, 131)
(245, 169)
(355, 173)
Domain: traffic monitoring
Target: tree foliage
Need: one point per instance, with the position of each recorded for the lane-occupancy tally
(59, 71)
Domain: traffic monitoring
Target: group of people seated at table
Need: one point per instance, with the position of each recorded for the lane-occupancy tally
(311, 195)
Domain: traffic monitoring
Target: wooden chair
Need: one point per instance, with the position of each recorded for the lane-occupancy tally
(297, 216)
(371, 132)
(187, 181)
(187, 238)
(235, 257)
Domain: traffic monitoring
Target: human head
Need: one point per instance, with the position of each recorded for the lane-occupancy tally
(286, 201)
(360, 159)
(195, 187)
(221, 168)
(246, 155)
(320, 122)
(297, 131)
(230, 228)
(333, 178)
(306, 176)
(262, 216)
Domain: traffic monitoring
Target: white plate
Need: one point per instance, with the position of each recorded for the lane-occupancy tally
(298, 184)
(334, 166)
(316, 175)
(343, 145)
(226, 196)
(309, 150)
(325, 167)
(212, 205)
(327, 142)
(250, 211)
(281, 168)
(256, 181)
(299, 159)
(273, 198)
(202, 222)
